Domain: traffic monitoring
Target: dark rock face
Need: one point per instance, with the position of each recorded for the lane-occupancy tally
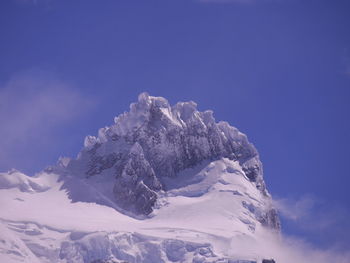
(155, 140)
(268, 261)
(269, 218)
(137, 183)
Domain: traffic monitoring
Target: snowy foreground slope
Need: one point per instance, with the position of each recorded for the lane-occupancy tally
(162, 184)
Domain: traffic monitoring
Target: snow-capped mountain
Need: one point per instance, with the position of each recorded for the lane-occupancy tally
(162, 184)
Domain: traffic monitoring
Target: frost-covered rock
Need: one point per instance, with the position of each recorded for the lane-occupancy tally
(137, 183)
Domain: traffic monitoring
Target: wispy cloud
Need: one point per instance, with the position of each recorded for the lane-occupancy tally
(32, 105)
(319, 220)
(312, 213)
(283, 248)
(295, 209)
(290, 250)
(307, 212)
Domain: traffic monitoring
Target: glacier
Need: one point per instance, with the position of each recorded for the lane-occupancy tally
(162, 184)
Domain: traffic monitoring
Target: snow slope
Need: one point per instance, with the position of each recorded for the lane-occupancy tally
(210, 209)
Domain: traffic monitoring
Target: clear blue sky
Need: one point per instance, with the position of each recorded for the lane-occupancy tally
(279, 70)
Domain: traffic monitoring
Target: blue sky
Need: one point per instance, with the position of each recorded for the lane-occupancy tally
(279, 70)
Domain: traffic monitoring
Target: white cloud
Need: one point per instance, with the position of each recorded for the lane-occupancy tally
(312, 213)
(32, 105)
(291, 250)
(295, 209)
(284, 249)
(321, 220)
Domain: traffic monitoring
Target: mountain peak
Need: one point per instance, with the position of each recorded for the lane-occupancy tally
(155, 141)
(157, 109)
(146, 99)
